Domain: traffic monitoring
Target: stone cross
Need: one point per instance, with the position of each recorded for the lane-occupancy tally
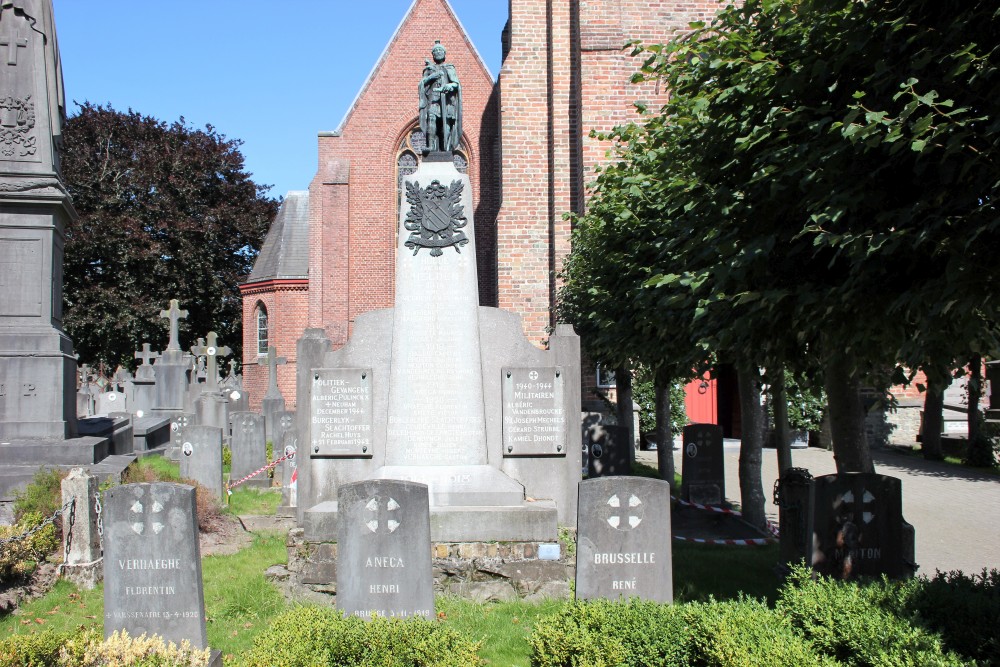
(232, 368)
(212, 351)
(174, 314)
(13, 45)
(84, 376)
(145, 370)
(273, 360)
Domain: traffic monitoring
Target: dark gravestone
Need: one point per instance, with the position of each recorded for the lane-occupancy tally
(608, 450)
(384, 549)
(623, 539)
(703, 473)
(201, 457)
(859, 527)
(152, 563)
(249, 452)
(796, 500)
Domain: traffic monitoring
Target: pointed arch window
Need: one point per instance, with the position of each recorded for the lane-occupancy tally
(262, 329)
(411, 150)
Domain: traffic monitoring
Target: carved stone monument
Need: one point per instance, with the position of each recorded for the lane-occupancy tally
(172, 367)
(273, 402)
(439, 390)
(152, 563)
(384, 550)
(623, 539)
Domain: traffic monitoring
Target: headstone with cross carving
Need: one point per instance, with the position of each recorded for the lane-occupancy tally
(623, 539)
(201, 457)
(703, 473)
(171, 370)
(273, 402)
(178, 423)
(859, 528)
(384, 550)
(143, 385)
(212, 352)
(152, 563)
(147, 356)
(248, 449)
(85, 394)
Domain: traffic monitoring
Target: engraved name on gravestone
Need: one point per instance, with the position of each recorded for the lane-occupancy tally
(623, 539)
(201, 457)
(341, 412)
(703, 474)
(152, 563)
(384, 549)
(858, 524)
(533, 420)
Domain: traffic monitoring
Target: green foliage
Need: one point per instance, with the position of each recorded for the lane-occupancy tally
(42, 496)
(247, 500)
(644, 394)
(165, 211)
(964, 609)
(502, 627)
(19, 556)
(227, 457)
(309, 636)
(855, 623)
(39, 649)
(749, 571)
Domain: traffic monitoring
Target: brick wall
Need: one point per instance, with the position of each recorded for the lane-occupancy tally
(286, 302)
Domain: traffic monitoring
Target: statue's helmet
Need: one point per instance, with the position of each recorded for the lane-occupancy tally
(438, 50)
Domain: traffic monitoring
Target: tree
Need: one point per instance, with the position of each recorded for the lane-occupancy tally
(166, 211)
(824, 177)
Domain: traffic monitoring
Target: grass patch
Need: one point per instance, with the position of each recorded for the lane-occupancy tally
(239, 602)
(723, 572)
(247, 500)
(502, 627)
(65, 608)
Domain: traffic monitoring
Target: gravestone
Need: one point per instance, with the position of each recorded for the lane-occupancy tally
(84, 395)
(238, 399)
(795, 496)
(152, 563)
(178, 422)
(284, 421)
(384, 550)
(248, 449)
(111, 401)
(201, 457)
(859, 527)
(608, 449)
(623, 539)
(273, 402)
(144, 384)
(81, 536)
(703, 474)
(289, 474)
(171, 370)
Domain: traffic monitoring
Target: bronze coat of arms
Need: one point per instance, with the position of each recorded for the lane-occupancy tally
(436, 217)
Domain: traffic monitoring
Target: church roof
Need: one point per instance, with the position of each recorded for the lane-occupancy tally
(285, 253)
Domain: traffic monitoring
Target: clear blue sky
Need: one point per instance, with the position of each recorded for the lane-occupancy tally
(272, 73)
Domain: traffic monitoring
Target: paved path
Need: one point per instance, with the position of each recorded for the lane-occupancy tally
(954, 510)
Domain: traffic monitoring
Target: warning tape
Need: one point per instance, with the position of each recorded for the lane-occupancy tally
(752, 542)
(771, 527)
(230, 487)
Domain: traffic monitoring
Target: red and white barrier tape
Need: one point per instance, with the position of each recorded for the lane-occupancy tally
(752, 542)
(230, 487)
(771, 528)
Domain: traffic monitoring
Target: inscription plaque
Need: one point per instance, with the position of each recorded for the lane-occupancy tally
(533, 419)
(341, 412)
(152, 564)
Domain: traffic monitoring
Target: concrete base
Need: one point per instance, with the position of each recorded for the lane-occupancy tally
(525, 522)
(75, 451)
(451, 486)
(84, 575)
(150, 433)
(117, 429)
(16, 477)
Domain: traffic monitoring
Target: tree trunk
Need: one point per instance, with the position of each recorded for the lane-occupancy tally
(751, 448)
(664, 436)
(933, 424)
(847, 419)
(623, 389)
(782, 433)
(975, 394)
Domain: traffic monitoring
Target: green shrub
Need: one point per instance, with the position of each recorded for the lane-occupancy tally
(854, 622)
(965, 609)
(746, 632)
(601, 633)
(227, 456)
(43, 495)
(35, 649)
(18, 557)
(312, 636)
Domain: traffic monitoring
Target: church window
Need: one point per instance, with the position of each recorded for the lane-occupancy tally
(261, 329)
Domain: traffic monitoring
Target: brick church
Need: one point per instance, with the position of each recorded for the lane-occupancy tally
(330, 253)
